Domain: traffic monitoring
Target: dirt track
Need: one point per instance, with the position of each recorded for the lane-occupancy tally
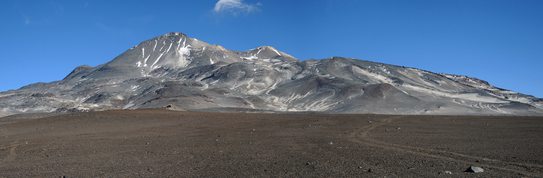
(155, 143)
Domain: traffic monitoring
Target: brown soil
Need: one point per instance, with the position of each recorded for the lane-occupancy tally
(159, 143)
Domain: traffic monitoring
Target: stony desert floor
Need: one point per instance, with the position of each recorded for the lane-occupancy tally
(160, 143)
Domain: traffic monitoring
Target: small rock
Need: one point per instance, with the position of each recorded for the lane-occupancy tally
(369, 170)
(448, 172)
(359, 167)
(474, 169)
(331, 143)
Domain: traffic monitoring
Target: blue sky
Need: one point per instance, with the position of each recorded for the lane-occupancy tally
(495, 40)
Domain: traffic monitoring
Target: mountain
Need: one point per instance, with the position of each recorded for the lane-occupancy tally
(183, 73)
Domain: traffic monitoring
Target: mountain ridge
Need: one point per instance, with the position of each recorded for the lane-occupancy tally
(183, 73)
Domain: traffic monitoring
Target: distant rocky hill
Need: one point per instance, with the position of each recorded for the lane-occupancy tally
(183, 73)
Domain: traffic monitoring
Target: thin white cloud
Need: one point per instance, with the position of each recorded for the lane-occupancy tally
(234, 6)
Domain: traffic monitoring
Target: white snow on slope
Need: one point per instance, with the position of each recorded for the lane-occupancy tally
(184, 53)
(145, 60)
(520, 99)
(163, 44)
(142, 52)
(464, 96)
(250, 58)
(170, 47)
(156, 61)
(371, 75)
(274, 50)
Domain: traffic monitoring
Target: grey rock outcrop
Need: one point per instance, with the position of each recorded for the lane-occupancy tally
(184, 73)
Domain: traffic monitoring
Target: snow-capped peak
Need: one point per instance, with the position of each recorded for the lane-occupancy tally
(174, 69)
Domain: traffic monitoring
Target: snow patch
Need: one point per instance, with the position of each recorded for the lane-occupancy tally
(142, 53)
(130, 104)
(170, 47)
(520, 99)
(145, 60)
(464, 96)
(179, 41)
(184, 53)
(163, 44)
(274, 50)
(371, 75)
(156, 61)
(250, 58)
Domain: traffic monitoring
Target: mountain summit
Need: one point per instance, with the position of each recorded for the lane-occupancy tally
(183, 73)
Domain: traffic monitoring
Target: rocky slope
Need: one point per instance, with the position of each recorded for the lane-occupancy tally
(183, 73)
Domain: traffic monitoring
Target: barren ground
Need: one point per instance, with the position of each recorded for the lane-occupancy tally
(158, 143)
